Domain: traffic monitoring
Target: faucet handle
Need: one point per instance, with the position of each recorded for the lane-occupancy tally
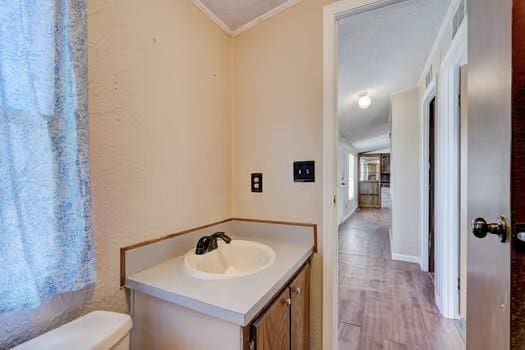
(202, 245)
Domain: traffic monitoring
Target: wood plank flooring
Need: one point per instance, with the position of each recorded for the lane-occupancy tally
(385, 304)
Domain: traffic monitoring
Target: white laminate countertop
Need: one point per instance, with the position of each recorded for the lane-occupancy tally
(236, 300)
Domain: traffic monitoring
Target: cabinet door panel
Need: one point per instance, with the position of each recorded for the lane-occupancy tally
(300, 310)
(272, 329)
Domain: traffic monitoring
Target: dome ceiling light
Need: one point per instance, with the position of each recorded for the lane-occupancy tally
(364, 101)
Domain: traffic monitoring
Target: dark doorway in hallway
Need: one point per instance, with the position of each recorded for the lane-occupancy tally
(431, 183)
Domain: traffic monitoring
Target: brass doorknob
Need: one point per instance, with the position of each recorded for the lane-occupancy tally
(480, 228)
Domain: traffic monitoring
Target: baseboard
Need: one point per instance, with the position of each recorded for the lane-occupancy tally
(349, 215)
(352, 212)
(406, 258)
(461, 325)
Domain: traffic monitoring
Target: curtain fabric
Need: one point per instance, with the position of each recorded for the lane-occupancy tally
(46, 236)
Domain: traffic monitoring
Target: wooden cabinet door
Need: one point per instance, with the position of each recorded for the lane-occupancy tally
(300, 310)
(272, 329)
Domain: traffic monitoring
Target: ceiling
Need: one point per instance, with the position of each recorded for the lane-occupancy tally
(235, 16)
(382, 52)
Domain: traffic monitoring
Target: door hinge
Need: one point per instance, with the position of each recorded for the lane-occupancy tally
(459, 100)
(459, 283)
(335, 199)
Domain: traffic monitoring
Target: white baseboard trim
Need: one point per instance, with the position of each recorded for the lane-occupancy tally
(352, 212)
(405, 258)
(349, 215)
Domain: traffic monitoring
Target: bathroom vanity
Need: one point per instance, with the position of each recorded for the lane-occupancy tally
(284, 324)
(251, 294)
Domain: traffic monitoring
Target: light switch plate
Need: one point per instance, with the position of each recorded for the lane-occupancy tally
(304, 171)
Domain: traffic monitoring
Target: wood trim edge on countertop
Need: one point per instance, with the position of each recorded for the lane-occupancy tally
(123, 250)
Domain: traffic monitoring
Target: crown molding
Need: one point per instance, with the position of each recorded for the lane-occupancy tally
(273, 12)
(213, 17)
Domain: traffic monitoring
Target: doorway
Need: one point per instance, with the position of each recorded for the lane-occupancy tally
(488, 191)
(431, 184)
(412, 242)
(380, 247)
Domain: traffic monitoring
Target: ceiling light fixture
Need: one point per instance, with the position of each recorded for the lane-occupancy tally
(364, 101)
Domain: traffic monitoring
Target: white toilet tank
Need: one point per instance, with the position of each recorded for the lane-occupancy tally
(98, 330)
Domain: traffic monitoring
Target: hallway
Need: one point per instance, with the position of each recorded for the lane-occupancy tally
(385, 304)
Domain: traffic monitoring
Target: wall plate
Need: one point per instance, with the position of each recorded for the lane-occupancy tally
(304, 171)
(257, 182)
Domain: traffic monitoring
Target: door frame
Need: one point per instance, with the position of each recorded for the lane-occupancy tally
(447, 208)
(430, 93)
(331, 14)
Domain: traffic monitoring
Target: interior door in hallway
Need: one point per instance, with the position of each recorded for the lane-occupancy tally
(488, 172)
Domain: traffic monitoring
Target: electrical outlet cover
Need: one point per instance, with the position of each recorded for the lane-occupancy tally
(257, 182)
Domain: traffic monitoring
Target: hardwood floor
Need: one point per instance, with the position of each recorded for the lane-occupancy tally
(385, 304)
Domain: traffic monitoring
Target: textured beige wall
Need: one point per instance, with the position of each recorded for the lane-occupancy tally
(277, 113)
(160, 111)
(160, 125)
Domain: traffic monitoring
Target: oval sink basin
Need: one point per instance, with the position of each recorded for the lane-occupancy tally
(237, 259)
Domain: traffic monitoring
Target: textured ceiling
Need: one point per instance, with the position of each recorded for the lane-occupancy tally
(382, 52)
(237, 13)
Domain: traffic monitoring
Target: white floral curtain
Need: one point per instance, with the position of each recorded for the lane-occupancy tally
(46, 238)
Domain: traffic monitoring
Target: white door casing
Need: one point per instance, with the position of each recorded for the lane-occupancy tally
(331, 14)
(448, 176)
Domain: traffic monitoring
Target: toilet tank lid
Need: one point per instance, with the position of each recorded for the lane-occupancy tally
(98, 330)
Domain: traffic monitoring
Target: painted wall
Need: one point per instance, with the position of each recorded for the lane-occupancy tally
(346, 207)
(405, 179)
(160, 124)
(277, 112)
(160, 139)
